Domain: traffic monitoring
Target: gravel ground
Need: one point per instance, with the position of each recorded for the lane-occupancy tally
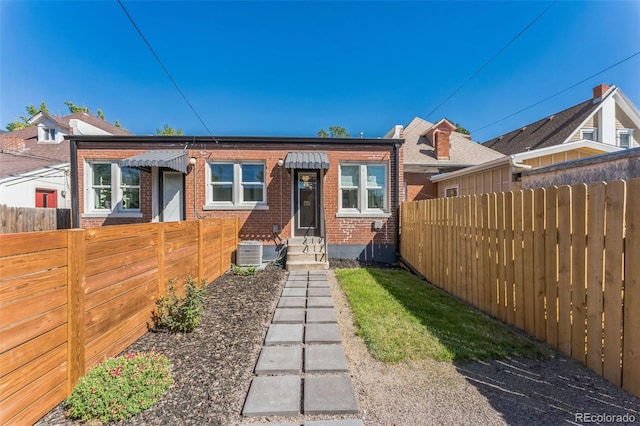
(213, 368)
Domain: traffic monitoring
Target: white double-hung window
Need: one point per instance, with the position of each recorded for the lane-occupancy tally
(363, 188)
(236, 184)
(625, 138)
(111, 188)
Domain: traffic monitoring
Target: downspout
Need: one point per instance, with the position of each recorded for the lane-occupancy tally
(75, 214)
(396, 201)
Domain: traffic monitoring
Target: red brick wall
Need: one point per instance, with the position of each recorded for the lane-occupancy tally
(258, 224)
(419, 187)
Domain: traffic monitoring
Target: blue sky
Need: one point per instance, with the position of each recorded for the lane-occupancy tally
(291, 68)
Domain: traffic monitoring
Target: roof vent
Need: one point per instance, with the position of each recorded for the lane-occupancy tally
(523, 129)
(550, 117)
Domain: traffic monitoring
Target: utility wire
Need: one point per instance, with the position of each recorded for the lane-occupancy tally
(155, 55)
(492, 58)
(558, 93)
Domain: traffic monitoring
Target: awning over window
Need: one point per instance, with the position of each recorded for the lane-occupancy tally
(176, 160)
(307, 160)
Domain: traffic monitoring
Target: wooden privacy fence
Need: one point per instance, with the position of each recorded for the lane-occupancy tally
(30, 219)
(561, 263)
(68, 299)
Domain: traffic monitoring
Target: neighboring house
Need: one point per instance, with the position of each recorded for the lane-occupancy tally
(344, 190)
(608, 122)
(34, 161)
(431, 149)
(622, 165)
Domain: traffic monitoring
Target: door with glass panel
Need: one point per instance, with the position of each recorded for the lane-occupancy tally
(306, 202)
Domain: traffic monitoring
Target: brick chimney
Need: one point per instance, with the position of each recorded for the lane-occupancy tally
(441, 144)
(12, 144)
(599, 90)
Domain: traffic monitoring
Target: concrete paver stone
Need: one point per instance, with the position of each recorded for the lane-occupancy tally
(289, 316)
(328, 394)
(295, 284)
(316, 284)
(320, 315)
(298, 278)
(322, 333)
(319, 302)
(294, 292)
(279, 360)
(273, 396)
(284, 334)
(318, 273)
(292, 302)
(319, 292)
(324, 359)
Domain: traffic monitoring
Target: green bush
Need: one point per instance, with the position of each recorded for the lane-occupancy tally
(243, 271)
(181, 314)
(120, 387)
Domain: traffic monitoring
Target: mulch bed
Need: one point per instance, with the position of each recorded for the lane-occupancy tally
(212, 367)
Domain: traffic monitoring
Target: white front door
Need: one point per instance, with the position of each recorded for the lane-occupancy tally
(172, 204)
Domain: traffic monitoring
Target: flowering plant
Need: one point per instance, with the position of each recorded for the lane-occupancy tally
(120, 387)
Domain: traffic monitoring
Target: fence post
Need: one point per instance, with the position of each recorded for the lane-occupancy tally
(200, 250)
(76, 255)
(162, 286)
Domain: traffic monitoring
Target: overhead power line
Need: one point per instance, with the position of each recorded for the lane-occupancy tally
(155, 55)
(492, 58)
(558, 93)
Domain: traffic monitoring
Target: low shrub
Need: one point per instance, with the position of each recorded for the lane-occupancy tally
(243, 270)
(120, 387)
(181, 314)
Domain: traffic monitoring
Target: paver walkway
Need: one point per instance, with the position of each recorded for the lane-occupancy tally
(302, 368)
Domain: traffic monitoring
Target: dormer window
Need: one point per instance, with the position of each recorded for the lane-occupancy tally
(589, 134)
(49, 135)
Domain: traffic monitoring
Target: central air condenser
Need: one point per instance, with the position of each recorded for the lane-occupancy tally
(249, 253)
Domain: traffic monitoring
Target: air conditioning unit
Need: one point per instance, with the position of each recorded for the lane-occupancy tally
(249, 253)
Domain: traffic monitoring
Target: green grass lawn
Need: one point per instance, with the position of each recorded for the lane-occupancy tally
(401, 317)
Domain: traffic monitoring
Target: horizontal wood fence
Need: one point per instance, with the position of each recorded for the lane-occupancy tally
(30, 219)
(68, 299)
(561, 263)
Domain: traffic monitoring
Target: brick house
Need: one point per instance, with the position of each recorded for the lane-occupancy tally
(344, 192)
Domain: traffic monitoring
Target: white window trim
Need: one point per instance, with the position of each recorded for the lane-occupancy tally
(457, 188)
(624, 132)
(589, 130)
(116, 192)
(362, 210)
(236, 203)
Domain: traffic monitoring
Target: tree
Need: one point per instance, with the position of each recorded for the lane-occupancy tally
(23, 121)
(460, 129)
(334, 132)
(73, 108)
(100, 114)
(169, 131)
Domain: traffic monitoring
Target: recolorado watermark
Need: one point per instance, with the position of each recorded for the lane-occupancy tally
(604, 418)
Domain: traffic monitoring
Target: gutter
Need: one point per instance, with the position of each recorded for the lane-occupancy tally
(506, 160)
(75, 213)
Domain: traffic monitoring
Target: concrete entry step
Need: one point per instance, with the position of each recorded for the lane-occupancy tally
(273, 396)
(284, 334)
(327, 394)
(325, 359)
(279, 360)
(306, 266)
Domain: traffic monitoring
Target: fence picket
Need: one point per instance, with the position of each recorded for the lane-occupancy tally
(579, 272)
(631, 355)
(564, 270)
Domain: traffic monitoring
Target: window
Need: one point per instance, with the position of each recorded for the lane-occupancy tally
(236, 184)
(451, 191)
(625, 138)
(112, 188)
(589, 134)
(363, 188)
(49, 135)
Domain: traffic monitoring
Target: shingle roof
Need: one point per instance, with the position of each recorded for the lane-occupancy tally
(36, 156)
(419, 150)
(552, 130)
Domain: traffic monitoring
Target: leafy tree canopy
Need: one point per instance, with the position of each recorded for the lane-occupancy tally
(460, 129)
(169, 131)
(32, 110)
(334, 132)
